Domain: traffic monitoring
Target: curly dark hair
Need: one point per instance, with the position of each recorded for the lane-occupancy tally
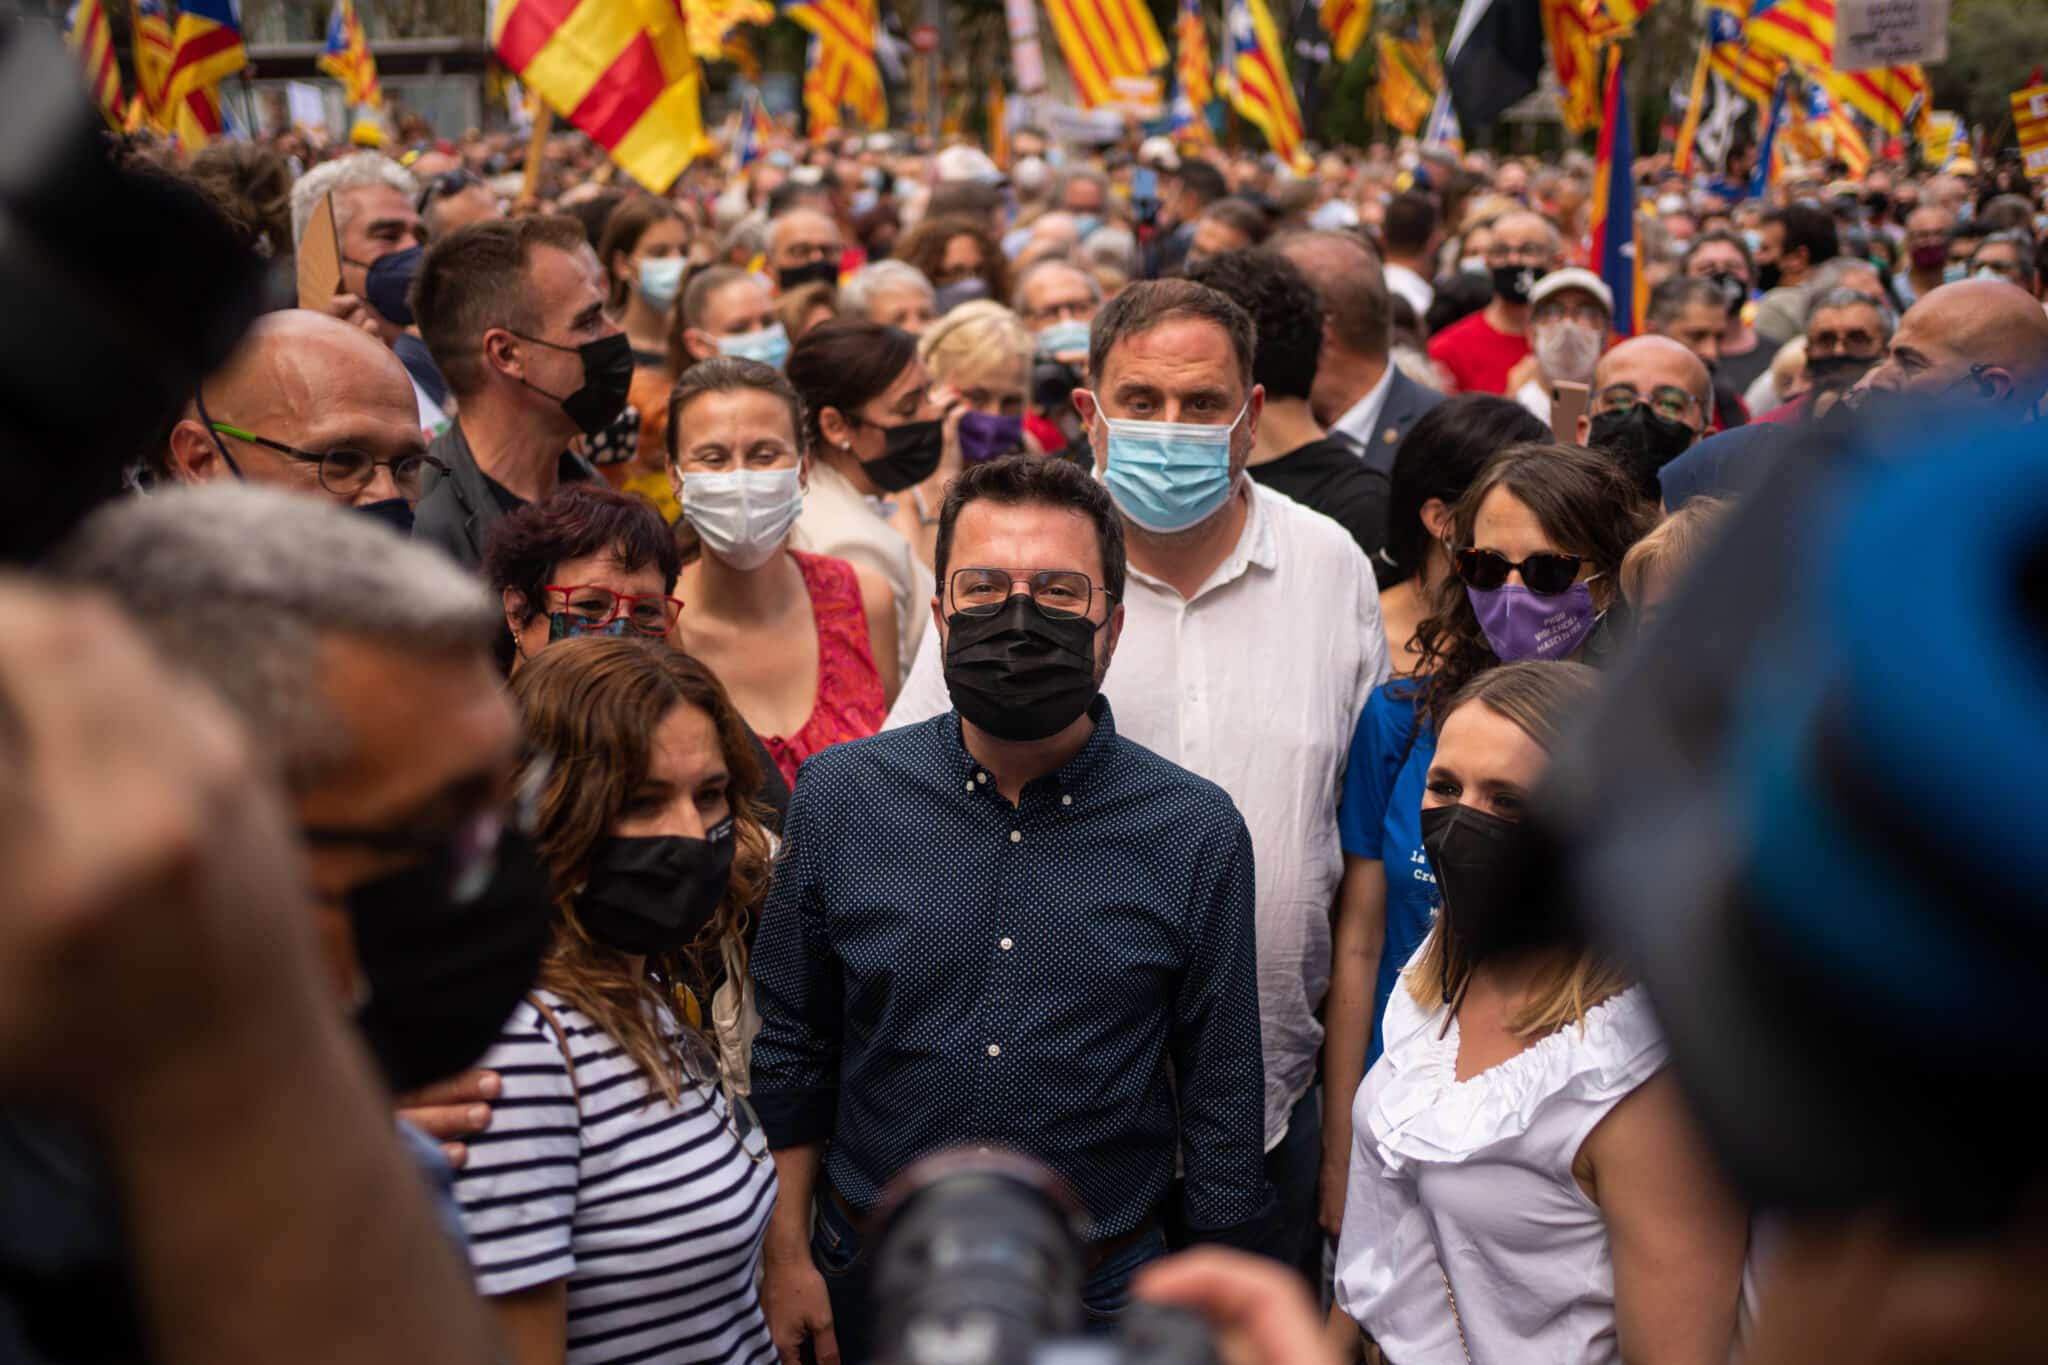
(577, 519)
(1586, 504)
(924, 247)
(1285, 309)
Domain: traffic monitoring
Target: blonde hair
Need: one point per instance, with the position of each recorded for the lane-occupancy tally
(1536, 695)
(980, 332)
(1671, 547)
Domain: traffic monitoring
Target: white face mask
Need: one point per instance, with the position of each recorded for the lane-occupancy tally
(743, 515)
(1567, 350)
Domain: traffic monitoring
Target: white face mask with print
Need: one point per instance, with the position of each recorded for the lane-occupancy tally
(743, 515)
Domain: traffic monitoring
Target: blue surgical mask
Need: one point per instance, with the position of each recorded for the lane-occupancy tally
(1954, 272)
(1168, 476)
(660, 278)
(862, 201)
(770, 345)
(1085, 223)
(1062, 337)
(1753, 239)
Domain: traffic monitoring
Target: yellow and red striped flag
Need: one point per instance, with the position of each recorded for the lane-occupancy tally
(198, 118)
(206, 48)
(712, 21)
(153, 48)
(346, 57)
(1892, 97)
(1409, 77)
(844, 69)
(1803, 32)
(92, 37)
(738, 49)
(1106, 43)
(1573, 54)
(1611, 19)
(620, 70)
(1191, 61)
(1259, 87)
(1751, 74)
(2030, 126)
(1347, 22)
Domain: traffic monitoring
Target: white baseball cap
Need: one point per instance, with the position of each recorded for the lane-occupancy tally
(967, 163)
(1573, 277)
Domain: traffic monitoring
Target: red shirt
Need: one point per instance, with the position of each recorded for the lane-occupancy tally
(1476, 355)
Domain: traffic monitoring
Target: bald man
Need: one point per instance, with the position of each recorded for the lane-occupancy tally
(310, 404)
(1974, 341)
(1652, 400)
(1479, 351)
(804, 245)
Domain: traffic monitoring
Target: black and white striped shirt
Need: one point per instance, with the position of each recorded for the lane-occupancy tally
(653, 1212)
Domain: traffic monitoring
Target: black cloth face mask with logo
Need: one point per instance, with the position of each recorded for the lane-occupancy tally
(446, 958)
(910, 453)
(1019, 674)
(1512, 283)
(607, 379)
(655, 894)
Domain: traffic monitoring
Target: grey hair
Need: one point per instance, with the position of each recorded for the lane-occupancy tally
(1115, 247)
(881, 277)
(1045, 263)
(346, 173)
(238, 584)
(1844, 297)
(2019, 242)
(746, 239)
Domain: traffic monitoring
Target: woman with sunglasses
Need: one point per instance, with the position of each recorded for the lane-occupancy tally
(805, 643)
(615, 1208)
(1534, 547)
(1526, 1182)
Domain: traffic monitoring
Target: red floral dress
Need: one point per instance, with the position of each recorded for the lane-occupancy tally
(849, 703)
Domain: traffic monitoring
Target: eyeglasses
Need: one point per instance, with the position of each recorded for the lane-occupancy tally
(1062, 594)
(1544, 574)
(1666, 400)
(2009, 269)
(1529, 253)
(468, 851)
(1068, 310)
(700, 1062)
(1853, 342)
(590, 608)
(445, 184)
(345, 473)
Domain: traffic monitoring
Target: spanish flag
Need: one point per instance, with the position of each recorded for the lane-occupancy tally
(620, 70)
(92, 37)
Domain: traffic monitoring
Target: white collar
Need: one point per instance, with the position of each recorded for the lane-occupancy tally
(1363, 415)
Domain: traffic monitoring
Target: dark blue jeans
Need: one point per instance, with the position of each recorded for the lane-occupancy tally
(839, 1253)
(1291, 1169)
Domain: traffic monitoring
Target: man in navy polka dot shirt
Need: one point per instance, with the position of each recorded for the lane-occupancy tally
(1008, 927)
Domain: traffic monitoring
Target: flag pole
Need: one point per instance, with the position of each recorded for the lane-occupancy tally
(536, 146)
(1689, 128)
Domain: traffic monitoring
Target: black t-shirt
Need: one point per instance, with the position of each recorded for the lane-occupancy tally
(508, 501)
(1328, 476)
(1738, 372)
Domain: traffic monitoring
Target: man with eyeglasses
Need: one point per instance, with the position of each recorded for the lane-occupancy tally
(1481, 350)
(1652, 398)
(804, 247)
(1571, 313)
(359, 668)
(513, 312)
(311, 405)
(1847, 332)
(455, 199)
(1008, 926)
(1254, 643)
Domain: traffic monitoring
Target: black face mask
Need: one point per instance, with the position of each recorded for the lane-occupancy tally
(909, 455)
(1020, 674)
(817, 272)
(1733, 290)
(1769, 276)
(446, 963)
(1489, 908)
(607, 379)
(1837, 371)
(655, 895)
(1512, 283)
(388, 284)
(1642, 442)
(393, 512)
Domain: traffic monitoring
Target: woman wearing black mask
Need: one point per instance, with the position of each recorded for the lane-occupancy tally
(874, 430)
(1525, 1180)
(616, 1206)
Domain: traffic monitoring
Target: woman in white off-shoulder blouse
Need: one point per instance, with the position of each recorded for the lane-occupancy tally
(1526, 1184)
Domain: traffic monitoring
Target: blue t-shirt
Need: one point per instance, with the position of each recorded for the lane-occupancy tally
(1380, 816)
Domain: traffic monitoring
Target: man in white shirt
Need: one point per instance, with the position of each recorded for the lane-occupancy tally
(1409, 236)
(1252, 639)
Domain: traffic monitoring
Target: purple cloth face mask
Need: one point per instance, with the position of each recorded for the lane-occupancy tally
(984, 437)
(1520, 624)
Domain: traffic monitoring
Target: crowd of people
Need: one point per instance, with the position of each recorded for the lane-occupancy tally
(875, 652)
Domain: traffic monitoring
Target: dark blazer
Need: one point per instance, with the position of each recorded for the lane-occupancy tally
(457, 512)
(1406, 402)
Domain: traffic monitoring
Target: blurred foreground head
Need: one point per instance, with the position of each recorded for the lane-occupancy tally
(1804, 819)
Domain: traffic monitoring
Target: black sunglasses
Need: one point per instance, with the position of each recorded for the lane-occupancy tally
(445, 184)
(1546, 575)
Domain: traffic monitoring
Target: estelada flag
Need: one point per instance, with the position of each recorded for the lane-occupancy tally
(206, 48)
(620, 70)
(92, 37)
(346, 57)
(2030, 125)
(1104, 42)
(1259, 86)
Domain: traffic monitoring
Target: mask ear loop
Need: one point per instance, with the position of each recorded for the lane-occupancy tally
(199, 402)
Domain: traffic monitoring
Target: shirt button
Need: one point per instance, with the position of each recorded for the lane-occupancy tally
(1066, 800)
(1005, 945)
(970, 786)
(1016, 836)
(981, 777)
(995, 1049)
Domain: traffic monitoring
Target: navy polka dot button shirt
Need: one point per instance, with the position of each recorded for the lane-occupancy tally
(936, 967)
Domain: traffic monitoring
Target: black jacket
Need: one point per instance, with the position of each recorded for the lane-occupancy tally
(458, 511)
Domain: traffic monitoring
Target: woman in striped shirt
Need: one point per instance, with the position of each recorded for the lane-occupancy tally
(616, 1205)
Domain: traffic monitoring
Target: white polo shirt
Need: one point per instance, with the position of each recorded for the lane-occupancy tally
(1256, 683)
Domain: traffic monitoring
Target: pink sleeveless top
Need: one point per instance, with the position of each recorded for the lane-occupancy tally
(849, 703)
